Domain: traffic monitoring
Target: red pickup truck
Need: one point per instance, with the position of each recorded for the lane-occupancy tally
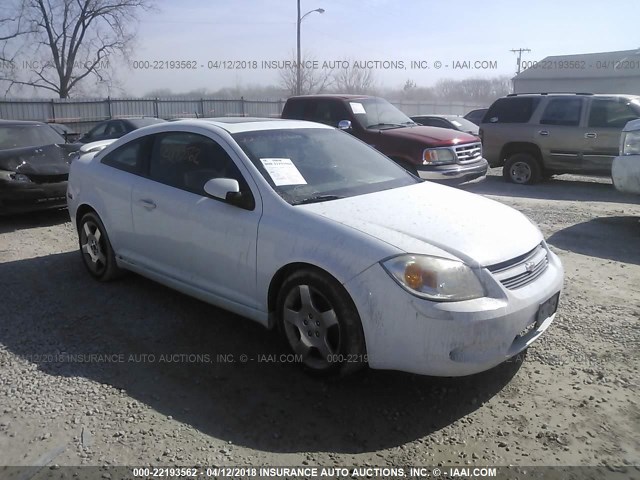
(429, 152)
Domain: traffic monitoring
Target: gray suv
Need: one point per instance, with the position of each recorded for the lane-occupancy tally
(534, 136)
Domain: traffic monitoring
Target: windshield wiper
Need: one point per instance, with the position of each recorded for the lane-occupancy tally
(376, 125)
(317, 199)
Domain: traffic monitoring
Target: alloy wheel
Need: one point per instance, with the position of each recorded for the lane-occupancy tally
(311, 326)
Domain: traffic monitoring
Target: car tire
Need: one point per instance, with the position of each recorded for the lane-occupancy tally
(318, 321)
(523, 169)
(96, 250)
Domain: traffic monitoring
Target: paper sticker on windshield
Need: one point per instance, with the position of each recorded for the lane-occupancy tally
(283, 172)
(357, 108)
(456, 123)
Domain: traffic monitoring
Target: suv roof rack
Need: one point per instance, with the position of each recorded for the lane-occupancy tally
(549, 93)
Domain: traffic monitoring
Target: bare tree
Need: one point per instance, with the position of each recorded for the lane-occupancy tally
(72, 40)
(13, 28)
(478, 90)
(353, 79)
(312, 80)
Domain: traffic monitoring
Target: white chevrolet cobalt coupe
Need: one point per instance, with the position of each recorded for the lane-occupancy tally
(301, 226)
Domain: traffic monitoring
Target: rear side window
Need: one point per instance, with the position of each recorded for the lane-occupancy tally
(611, 113)
(562, 111)
(512, 110)
(130, 157)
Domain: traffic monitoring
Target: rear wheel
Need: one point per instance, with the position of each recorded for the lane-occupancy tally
(320, 323)
(522, 168)
(95, 248)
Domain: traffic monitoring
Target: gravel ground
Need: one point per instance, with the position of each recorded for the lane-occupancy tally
(156, 391)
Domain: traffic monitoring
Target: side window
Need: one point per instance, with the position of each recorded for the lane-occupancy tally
(562, 111)
(293, 109)
(330, 113)
(438, 122)
(130, 157)
(512, 110)
(116, 129)
(187, 161)
(98, 130)
(309, 109)
(610, 113)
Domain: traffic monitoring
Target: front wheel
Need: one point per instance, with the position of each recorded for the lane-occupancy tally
(522, 168)
(95, 248)
(320, 323)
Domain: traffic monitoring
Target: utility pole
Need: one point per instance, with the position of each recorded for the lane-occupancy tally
(519, 52)
(298, 80)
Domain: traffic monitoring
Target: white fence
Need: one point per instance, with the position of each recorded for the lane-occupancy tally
(83, 114)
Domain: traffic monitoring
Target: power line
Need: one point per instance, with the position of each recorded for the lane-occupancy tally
(519, 52)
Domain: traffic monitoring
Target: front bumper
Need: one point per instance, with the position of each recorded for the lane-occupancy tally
(454, 172)
(407, 333)
(625, 173)
(26, 197)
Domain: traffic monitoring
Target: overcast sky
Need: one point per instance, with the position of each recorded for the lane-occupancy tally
(371, 30)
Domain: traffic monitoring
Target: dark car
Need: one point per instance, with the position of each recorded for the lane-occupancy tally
(116, 128)
(34, 167)
(428, 152)
(69, 134)
(454, 122)
(476, 116)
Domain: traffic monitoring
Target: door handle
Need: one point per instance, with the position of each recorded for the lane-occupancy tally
(544, 133)
(590, 135)
(148, 204)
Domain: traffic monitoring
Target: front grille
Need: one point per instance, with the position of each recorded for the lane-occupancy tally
(521, 271)
(48, 178)
(471, 152)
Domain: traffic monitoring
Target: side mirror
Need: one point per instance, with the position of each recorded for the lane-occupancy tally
(344, 124)
(228, 189)
(222, 187)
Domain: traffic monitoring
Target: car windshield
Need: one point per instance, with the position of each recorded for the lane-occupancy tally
(314, 165)
(19, 136)
(635, 104)
(378, 113)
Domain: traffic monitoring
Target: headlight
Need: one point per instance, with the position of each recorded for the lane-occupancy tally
(438, 155)
(14, 177)
(630, 143)
(435, 278)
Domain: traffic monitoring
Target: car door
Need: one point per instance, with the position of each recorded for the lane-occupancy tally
(118, 172)
(559, 135)
(185, 235)
(607, 117)
(225, 235)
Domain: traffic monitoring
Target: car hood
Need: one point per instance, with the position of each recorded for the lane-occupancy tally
(43, 160)
(433, 136)
(419, 217)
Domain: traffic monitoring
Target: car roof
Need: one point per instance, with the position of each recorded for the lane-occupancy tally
(577, 94)
(240, 124)
(340, 96)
